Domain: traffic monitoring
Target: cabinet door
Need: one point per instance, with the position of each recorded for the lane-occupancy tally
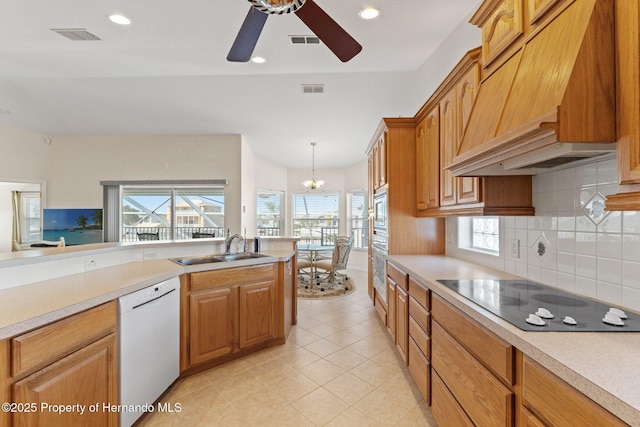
(402, 322)
(211, 324)
(85, 377)
(391, 308)
(256, 314)
(382, 159)
(428, 161)
(375, 155)
(467, 89)
(422, 166)
(448, 143)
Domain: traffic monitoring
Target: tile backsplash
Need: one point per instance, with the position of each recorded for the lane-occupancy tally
(571, 242)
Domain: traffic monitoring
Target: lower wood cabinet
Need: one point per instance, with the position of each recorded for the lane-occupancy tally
(444, 406)
(229, 311)
(548, 400)
(211, 324)
(71, 361)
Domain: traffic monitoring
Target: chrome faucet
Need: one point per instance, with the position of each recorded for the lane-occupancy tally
(229, 240)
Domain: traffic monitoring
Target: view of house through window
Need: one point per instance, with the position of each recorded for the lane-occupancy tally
(315, 217)
(269, 213)
(357, 221)
(164, 213)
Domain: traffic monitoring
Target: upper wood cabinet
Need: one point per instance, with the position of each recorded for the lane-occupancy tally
(502, 24)
(428, 161)
(441, 124)
(627, 106)
(379, 161)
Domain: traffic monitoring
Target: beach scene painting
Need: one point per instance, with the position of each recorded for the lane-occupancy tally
(77, 226)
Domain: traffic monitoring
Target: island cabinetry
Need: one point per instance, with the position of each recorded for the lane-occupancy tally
(71, 361)
(419, 337)
(547, 400)
(229, 311)
(474, 366)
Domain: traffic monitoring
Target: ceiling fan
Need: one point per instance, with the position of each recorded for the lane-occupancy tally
(332, 35)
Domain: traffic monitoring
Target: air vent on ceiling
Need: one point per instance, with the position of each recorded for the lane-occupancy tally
(75, 34)
(304, 40)
(312, 88)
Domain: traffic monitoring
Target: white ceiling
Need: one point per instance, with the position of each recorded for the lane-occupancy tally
(167, 72)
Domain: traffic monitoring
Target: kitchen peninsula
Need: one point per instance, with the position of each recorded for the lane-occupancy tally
(74, 314)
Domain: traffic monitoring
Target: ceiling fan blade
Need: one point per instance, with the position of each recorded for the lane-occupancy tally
(333, 35)
(248, 36)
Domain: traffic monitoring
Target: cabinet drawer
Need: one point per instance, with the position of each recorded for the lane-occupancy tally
(420, 370)
(485, 399)
(420, 315)
(381, 309)
(420, 337)
(45, 345)
(556, 402)
(420, 292)
(493, 352)
(232, 276)
(444, 406)
(397, 275)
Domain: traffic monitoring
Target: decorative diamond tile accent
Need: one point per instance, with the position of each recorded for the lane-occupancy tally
(594, 209)
(541, 247)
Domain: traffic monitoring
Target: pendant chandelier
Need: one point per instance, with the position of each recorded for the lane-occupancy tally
(313, 184)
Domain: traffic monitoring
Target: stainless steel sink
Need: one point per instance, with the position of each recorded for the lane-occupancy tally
(218, 258)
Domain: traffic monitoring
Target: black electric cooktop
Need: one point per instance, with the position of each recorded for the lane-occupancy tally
(517, 301)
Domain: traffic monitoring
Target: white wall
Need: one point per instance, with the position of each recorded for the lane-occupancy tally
(24, 155)
(248, 191)
(598, 259)
(433, 71)
(79, 163)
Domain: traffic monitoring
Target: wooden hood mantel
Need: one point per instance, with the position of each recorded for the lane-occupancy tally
(558, 86)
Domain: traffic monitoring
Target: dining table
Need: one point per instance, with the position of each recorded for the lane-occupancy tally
(313, 253)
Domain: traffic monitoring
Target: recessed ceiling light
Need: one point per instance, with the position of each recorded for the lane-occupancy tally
(258, 60)
(368, 13)
(119, 19)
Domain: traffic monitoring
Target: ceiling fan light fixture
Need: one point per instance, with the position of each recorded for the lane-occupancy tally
(278, 7)
(369, 13)
(312, 184)
(119, 19)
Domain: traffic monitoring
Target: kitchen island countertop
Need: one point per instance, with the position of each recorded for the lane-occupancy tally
(30, 306)
(605, 366)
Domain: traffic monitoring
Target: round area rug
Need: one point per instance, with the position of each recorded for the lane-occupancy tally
(325, 290)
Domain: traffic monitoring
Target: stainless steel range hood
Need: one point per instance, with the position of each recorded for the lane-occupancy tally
(547, 157)
(551, 102)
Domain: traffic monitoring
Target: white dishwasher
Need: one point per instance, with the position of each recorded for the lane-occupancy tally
(149, 346)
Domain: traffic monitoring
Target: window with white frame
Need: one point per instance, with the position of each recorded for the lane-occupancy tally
(485, 234)
(358, 215)
(480, 234)
(269, 219)
(315, 217)
(166, 213)
(29, 217)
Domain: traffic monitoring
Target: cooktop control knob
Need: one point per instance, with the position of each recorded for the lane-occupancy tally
(612, 319)
(621, 314)
(535, 320)
(544, 313)
(569, 320)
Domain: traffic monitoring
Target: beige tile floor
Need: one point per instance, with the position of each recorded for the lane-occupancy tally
(338, 368)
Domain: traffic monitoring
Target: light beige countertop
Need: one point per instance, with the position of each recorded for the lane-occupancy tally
(604, 366)
(33, 305)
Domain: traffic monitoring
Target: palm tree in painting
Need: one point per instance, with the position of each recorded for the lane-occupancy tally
(97, 218)
(82, 221)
